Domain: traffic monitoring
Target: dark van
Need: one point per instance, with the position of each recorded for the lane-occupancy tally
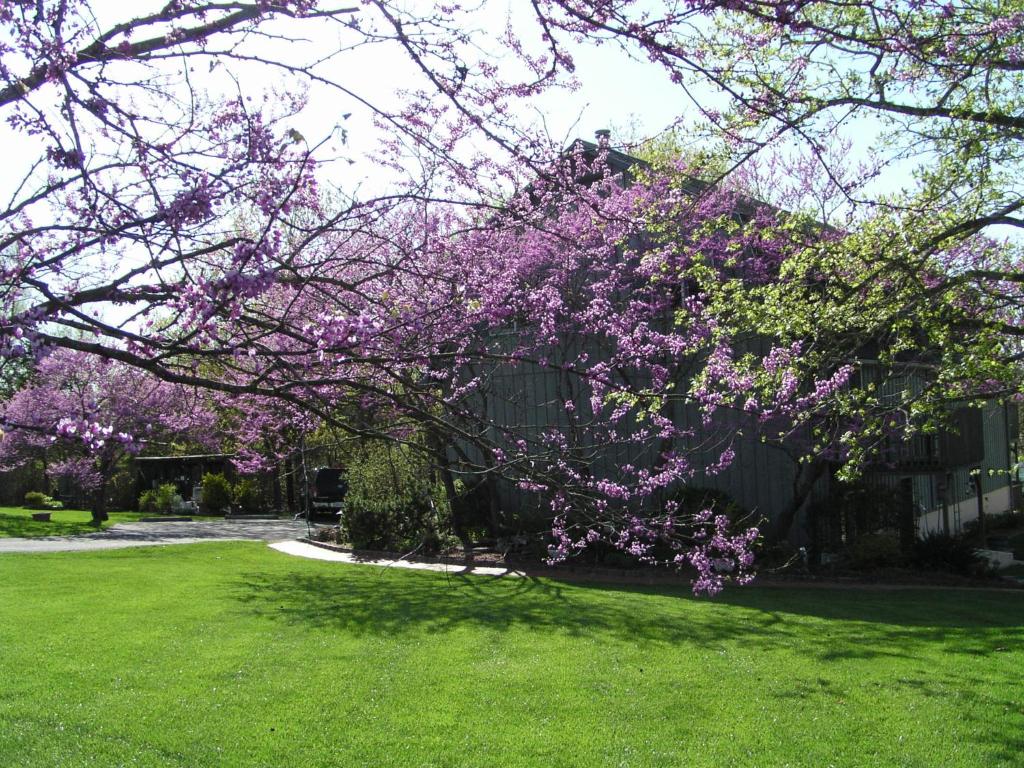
(327, 494)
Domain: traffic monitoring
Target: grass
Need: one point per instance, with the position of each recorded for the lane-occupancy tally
(236, 655)
(18, 522)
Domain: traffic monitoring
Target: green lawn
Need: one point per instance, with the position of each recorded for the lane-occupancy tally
(236, 655)
(17, 521)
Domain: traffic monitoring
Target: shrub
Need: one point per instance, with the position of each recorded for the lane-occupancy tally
(122, 487)
(471, 511)
(165, 496)
(36, 500)
(874, 550)
(532, 521)
(1010, 519)
(781, 555)
(943, 552)
(1003, 522)
(617, 559)
(147, 501)
(216, 493)
(367, 526)
(160, 499)
(247, 495)
(393, 525)
(393, 501)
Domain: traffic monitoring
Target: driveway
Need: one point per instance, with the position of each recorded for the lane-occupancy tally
(156, 534)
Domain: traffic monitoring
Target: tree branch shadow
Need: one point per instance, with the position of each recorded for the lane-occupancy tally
(824, 625)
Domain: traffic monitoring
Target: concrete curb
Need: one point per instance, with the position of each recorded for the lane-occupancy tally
(304, 549)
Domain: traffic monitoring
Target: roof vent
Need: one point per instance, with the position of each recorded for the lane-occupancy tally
(603, 136)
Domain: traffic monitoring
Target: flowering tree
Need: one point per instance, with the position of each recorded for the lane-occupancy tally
(173, 218)
(82, 414)
(934, 83)
(168, 209)
(930, 91)
(927, 95)
(920, 336)
(153, 142)
(584, 280)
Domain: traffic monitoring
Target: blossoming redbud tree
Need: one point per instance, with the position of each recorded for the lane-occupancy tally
(83, 414)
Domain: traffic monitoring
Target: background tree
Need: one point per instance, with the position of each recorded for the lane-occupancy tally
(918, 343)
(82, 414)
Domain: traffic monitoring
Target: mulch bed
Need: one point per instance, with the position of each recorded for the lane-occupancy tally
(891, 578)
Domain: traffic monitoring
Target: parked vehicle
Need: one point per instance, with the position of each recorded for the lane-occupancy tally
(327, 491)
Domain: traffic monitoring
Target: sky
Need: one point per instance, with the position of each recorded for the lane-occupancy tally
(614, 90)
(634, 98)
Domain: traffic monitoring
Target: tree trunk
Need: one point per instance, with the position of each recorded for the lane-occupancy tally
(907, 519)
(494, 521)
(981, 507)
(497, 524)
(275, 486)
(807, 474)
(945, 503)
(441, 457)
(458, 527)
(289, 484)
(99, 504)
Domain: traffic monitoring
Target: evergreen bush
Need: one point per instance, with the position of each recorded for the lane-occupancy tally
(393, 502)
(247, 495)
(943, 552)
(36, 500)
(147, 501)
(875, 550)
(216, 492)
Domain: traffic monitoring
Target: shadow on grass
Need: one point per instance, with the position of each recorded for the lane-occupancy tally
(912, 607)
(993, 721)
(822, 624)
(952, 645)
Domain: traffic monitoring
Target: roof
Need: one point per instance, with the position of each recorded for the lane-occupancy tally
(194, 456)
(618, 161)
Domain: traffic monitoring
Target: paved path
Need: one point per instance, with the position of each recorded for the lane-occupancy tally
(156, 534)
(282, 534)
(302, 549)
